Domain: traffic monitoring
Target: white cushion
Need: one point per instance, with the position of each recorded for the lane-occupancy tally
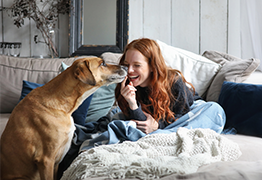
(197, 69)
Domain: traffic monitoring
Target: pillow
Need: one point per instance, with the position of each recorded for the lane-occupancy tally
(27, 88)
(197, 69)
(233, 69)
(78, 115)
(242, 105)
(13, 70)
(111, 58)
(102, 100)
(64, 63)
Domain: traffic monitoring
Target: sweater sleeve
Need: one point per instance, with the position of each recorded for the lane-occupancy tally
(137, 114)
(184, 98)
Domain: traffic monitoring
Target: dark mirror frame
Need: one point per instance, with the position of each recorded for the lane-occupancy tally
(77, 48)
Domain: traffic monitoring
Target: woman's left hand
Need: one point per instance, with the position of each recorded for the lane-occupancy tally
(147, 126)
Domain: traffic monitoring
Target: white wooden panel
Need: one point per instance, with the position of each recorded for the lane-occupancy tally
(246, 51)
(1, 22)
(234, 41)
(251, 28)
(213, 35)
(182, 23)
(185, 24)
(135, 19)
(157, 20)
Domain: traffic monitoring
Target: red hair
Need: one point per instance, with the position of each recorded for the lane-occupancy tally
(160, 95)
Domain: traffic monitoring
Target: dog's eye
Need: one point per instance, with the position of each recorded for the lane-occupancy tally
(103, 63)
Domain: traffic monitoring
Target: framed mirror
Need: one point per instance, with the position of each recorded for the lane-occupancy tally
(98, 26)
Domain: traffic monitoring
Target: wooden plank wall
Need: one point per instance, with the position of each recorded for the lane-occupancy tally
(194, 25)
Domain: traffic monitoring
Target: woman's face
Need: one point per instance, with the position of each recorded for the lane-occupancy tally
(138, 68)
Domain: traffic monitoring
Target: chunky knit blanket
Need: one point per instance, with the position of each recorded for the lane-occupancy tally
(154, 156)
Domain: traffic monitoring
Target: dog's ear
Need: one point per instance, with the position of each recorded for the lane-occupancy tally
(83, 73)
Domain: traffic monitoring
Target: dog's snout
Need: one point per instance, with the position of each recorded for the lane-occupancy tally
(124, 67)
(123, 71)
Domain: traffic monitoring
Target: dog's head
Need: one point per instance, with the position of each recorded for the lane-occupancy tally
(96, 72)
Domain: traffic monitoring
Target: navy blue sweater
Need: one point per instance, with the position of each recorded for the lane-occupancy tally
(184, 99)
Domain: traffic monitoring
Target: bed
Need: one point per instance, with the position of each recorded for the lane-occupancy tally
(234, 83)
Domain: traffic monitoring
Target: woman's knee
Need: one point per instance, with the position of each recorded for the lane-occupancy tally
(218, 112)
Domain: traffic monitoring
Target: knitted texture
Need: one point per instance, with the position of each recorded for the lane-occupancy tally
(154, 156)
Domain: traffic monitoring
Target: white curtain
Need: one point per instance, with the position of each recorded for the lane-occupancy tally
(251, 29)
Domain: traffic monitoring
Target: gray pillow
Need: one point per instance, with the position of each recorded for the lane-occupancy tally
(233, 69)
(111, 58)
(13, 70)
(102, 101)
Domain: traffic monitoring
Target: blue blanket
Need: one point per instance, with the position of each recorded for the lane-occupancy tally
(202, 115)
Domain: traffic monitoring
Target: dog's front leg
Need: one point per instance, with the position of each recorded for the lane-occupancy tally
(46, 168)
(56, 170)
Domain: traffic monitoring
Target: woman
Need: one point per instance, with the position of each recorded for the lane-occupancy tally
(157, 98)
(152, 94)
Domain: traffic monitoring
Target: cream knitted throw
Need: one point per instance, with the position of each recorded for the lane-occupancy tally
(154, 156)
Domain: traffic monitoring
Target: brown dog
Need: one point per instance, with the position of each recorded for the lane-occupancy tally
(40, 129)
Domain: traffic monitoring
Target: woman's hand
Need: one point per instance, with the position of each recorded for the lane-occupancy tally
(147, 126)
(129, 93)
